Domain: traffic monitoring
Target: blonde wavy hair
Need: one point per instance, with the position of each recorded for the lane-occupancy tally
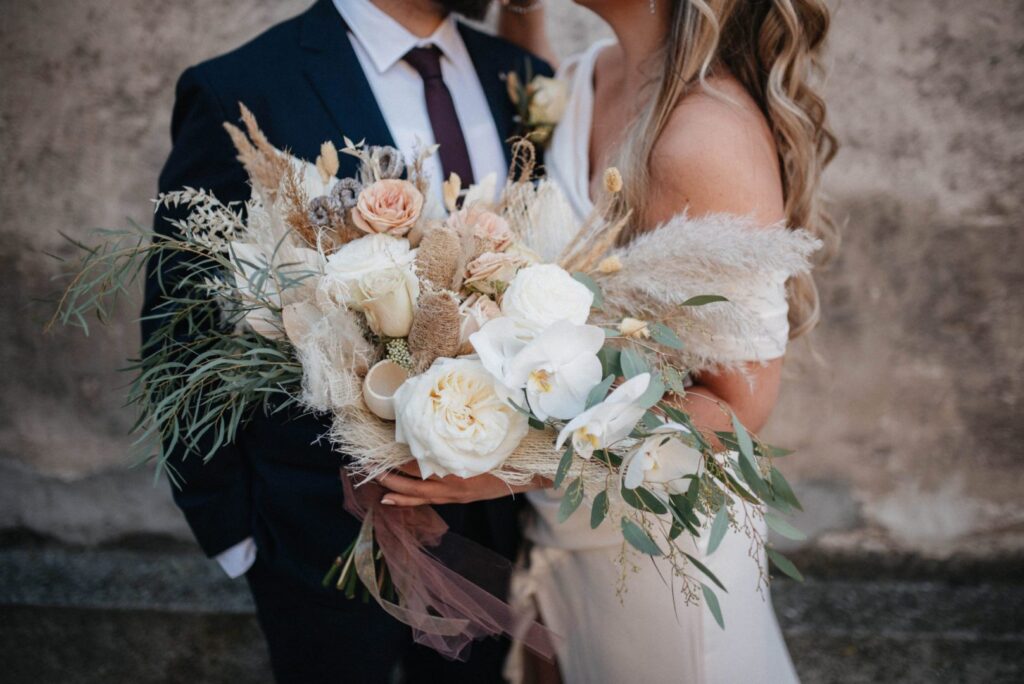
(773, 47)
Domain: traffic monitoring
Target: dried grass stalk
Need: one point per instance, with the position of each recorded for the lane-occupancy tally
(265, 165)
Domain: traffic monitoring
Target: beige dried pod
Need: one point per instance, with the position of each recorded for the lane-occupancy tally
(635, 328)
(437, 258)
(612, 180)
(609, 265)
(435, 329)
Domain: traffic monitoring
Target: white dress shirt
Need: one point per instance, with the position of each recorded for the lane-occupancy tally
(380, 42)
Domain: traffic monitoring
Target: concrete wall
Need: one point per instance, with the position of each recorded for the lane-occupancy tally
(905, 407)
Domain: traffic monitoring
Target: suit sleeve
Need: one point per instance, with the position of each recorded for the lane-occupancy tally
(214, 495)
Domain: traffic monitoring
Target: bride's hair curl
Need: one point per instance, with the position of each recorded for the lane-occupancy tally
(773, 47)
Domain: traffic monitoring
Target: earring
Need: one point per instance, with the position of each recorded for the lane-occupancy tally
(654, 6)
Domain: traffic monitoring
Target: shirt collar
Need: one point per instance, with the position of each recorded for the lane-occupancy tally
(385, 40)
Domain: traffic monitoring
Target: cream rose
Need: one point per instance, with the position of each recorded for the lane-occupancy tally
(544, 294)
(346, 268)
(474, 312)
(388, 300)
(491, 272)
(457, 420)
(491, 230)
(390, 206)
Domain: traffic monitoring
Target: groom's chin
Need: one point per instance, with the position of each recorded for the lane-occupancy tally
(471, 9)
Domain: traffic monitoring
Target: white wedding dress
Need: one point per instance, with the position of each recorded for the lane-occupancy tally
(644, 635)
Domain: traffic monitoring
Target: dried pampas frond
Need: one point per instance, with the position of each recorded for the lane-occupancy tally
(435, 329)
(265, 165)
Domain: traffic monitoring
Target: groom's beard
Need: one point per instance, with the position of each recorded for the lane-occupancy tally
(471, 9)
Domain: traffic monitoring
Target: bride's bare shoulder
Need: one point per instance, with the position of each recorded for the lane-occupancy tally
(717, 154)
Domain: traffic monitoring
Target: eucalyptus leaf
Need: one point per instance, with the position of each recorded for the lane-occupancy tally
(610, 361)
(664, 335)
(784, 564)
(572, 499)
(599, 509)
(674, 380)
(701, 300)
(654, 392)
(563, 467)
(719, 526)
(783, 527)
(644, 500)
(782, 489)
(707, 571)
(639, 538)
(633, 363)
(592, 286)
(712, 603)
(599, 391)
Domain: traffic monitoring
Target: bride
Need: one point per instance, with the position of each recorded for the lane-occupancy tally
(705, 108)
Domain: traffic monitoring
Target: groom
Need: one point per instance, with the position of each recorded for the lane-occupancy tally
(269, 505)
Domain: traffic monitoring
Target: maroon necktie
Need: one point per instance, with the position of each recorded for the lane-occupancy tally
(441, 109)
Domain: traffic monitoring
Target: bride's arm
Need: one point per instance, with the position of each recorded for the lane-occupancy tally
(717, 156)
(522, 22)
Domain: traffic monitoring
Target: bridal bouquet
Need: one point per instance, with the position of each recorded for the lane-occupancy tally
(443, 336)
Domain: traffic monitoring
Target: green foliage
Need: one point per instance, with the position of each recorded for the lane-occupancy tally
(639, 539)
(711, 601)
(571, 500)
(784, 564)
(701, 300)
(599, 509)
(592, 286)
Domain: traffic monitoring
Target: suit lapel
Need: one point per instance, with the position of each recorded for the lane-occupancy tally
(333, 69)
(489, 69)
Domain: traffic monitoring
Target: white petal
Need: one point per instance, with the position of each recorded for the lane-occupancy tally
(636, 469)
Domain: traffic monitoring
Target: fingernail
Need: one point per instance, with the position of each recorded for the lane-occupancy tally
(387, 502)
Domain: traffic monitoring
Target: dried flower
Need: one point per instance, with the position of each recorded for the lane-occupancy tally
(609, 265)
(327, 163)
(389, 161)
(435, 329)
(437, 259)
(324, 212)
(389, 206)
(346, 192)
(450, 190)
(612, 180)
(635, 328)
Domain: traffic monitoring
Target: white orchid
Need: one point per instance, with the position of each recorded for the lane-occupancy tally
(557, 368)
(663, 461)
(608, 422)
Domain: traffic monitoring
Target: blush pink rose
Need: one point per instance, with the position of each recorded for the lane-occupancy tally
(389, 206)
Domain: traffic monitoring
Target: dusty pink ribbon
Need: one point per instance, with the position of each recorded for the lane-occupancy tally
(446, 609)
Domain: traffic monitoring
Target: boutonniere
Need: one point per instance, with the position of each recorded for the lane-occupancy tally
(539, 102)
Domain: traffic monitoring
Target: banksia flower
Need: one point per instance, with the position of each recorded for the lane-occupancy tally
(323, 212)
(437, 259)
(435, 329)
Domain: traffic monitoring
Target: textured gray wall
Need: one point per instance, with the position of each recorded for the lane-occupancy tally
(904, 407)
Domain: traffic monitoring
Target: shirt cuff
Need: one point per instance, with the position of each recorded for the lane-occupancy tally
(237, 560)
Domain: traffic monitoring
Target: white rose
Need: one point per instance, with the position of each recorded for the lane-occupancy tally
(664, 462)
(609, 422)
(544, 294)
(388, 300)
(347, 267)
(457, 420)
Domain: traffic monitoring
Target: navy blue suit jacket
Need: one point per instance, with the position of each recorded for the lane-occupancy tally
(279, 480)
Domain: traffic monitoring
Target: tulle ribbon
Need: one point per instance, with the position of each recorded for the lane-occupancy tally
(448, 586)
